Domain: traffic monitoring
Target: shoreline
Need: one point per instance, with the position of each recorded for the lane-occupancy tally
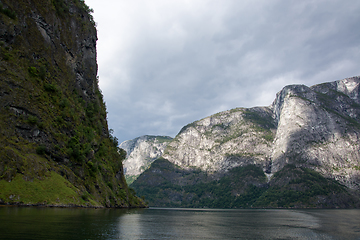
(39, 205)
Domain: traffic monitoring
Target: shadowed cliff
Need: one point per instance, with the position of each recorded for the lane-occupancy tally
(55, 146)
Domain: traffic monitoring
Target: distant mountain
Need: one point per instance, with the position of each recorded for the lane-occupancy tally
(141, 152)
(301, 151)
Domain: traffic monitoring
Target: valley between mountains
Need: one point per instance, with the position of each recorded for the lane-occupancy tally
(302, 151)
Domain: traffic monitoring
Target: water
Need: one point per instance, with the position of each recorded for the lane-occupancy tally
(157, 223)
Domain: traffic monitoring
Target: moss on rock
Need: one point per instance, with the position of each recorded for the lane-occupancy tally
(52, 114)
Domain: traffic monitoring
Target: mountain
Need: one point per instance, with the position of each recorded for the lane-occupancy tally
(55, 146)
(301, 151)
(141, 152)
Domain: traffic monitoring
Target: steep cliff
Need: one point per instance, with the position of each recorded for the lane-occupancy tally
(55, 147)
(141, 152)
(307, 133)
(319, 128)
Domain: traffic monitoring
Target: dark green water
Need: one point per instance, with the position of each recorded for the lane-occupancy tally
(73, 223)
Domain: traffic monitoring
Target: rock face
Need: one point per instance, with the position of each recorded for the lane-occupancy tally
(315, 128)
(53, 118)
(225, 140)
(141, 152)
(318, 128)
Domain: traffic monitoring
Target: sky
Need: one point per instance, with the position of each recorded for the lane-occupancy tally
(166, 63)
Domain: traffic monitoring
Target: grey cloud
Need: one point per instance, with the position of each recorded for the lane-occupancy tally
(180, 64)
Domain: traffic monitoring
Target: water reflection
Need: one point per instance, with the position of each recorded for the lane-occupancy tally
(239, 224)
(57, 223)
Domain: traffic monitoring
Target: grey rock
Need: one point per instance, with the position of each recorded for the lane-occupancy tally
(141, 152)
(316, 127)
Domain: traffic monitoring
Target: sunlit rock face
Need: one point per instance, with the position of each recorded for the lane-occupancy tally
(141, 152)
(316, 127)
(224, 140)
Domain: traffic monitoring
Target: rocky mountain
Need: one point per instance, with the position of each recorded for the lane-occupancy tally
(301, 151)
(141, 152)
(55, 146)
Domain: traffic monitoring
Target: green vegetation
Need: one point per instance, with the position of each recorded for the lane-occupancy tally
(131, 179)
(52, 123)
(166, 185)
(301, 97)
(220, 125)
(303, 187)
(160, 139)
(60, 6)
(327, 101)
(230, 191)
(265, 122)
(50, 87)
(351, 121)
(261, 123)
(40, 149)
(52, 190)
(87, 9)
(33, 72)
(8, 12)
(187, 126)
(237, 132)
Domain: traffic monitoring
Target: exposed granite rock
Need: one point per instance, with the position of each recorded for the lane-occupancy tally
(223, 141)
(316, 127)
(300, 152)
(141, 152)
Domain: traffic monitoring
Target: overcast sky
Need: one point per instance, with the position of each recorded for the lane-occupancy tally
(166, 63)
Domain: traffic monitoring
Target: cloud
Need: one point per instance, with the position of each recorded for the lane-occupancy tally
(164, 64)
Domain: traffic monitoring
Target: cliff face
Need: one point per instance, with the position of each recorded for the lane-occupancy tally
(315, 127)
(319, 128)
(53, 118)
(141, 152)
(225, 140)
(308, 132)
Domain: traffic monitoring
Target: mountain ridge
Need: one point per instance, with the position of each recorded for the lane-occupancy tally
(141, 152)
(315, 128)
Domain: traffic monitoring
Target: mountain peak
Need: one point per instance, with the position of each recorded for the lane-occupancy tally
(276, 156)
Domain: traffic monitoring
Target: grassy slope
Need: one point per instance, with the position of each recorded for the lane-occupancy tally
(51, 190)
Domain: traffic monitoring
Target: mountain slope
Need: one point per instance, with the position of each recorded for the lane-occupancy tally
(318, 127)
(306, 133)
(55, 147)
(141, 152)
(224, 140)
